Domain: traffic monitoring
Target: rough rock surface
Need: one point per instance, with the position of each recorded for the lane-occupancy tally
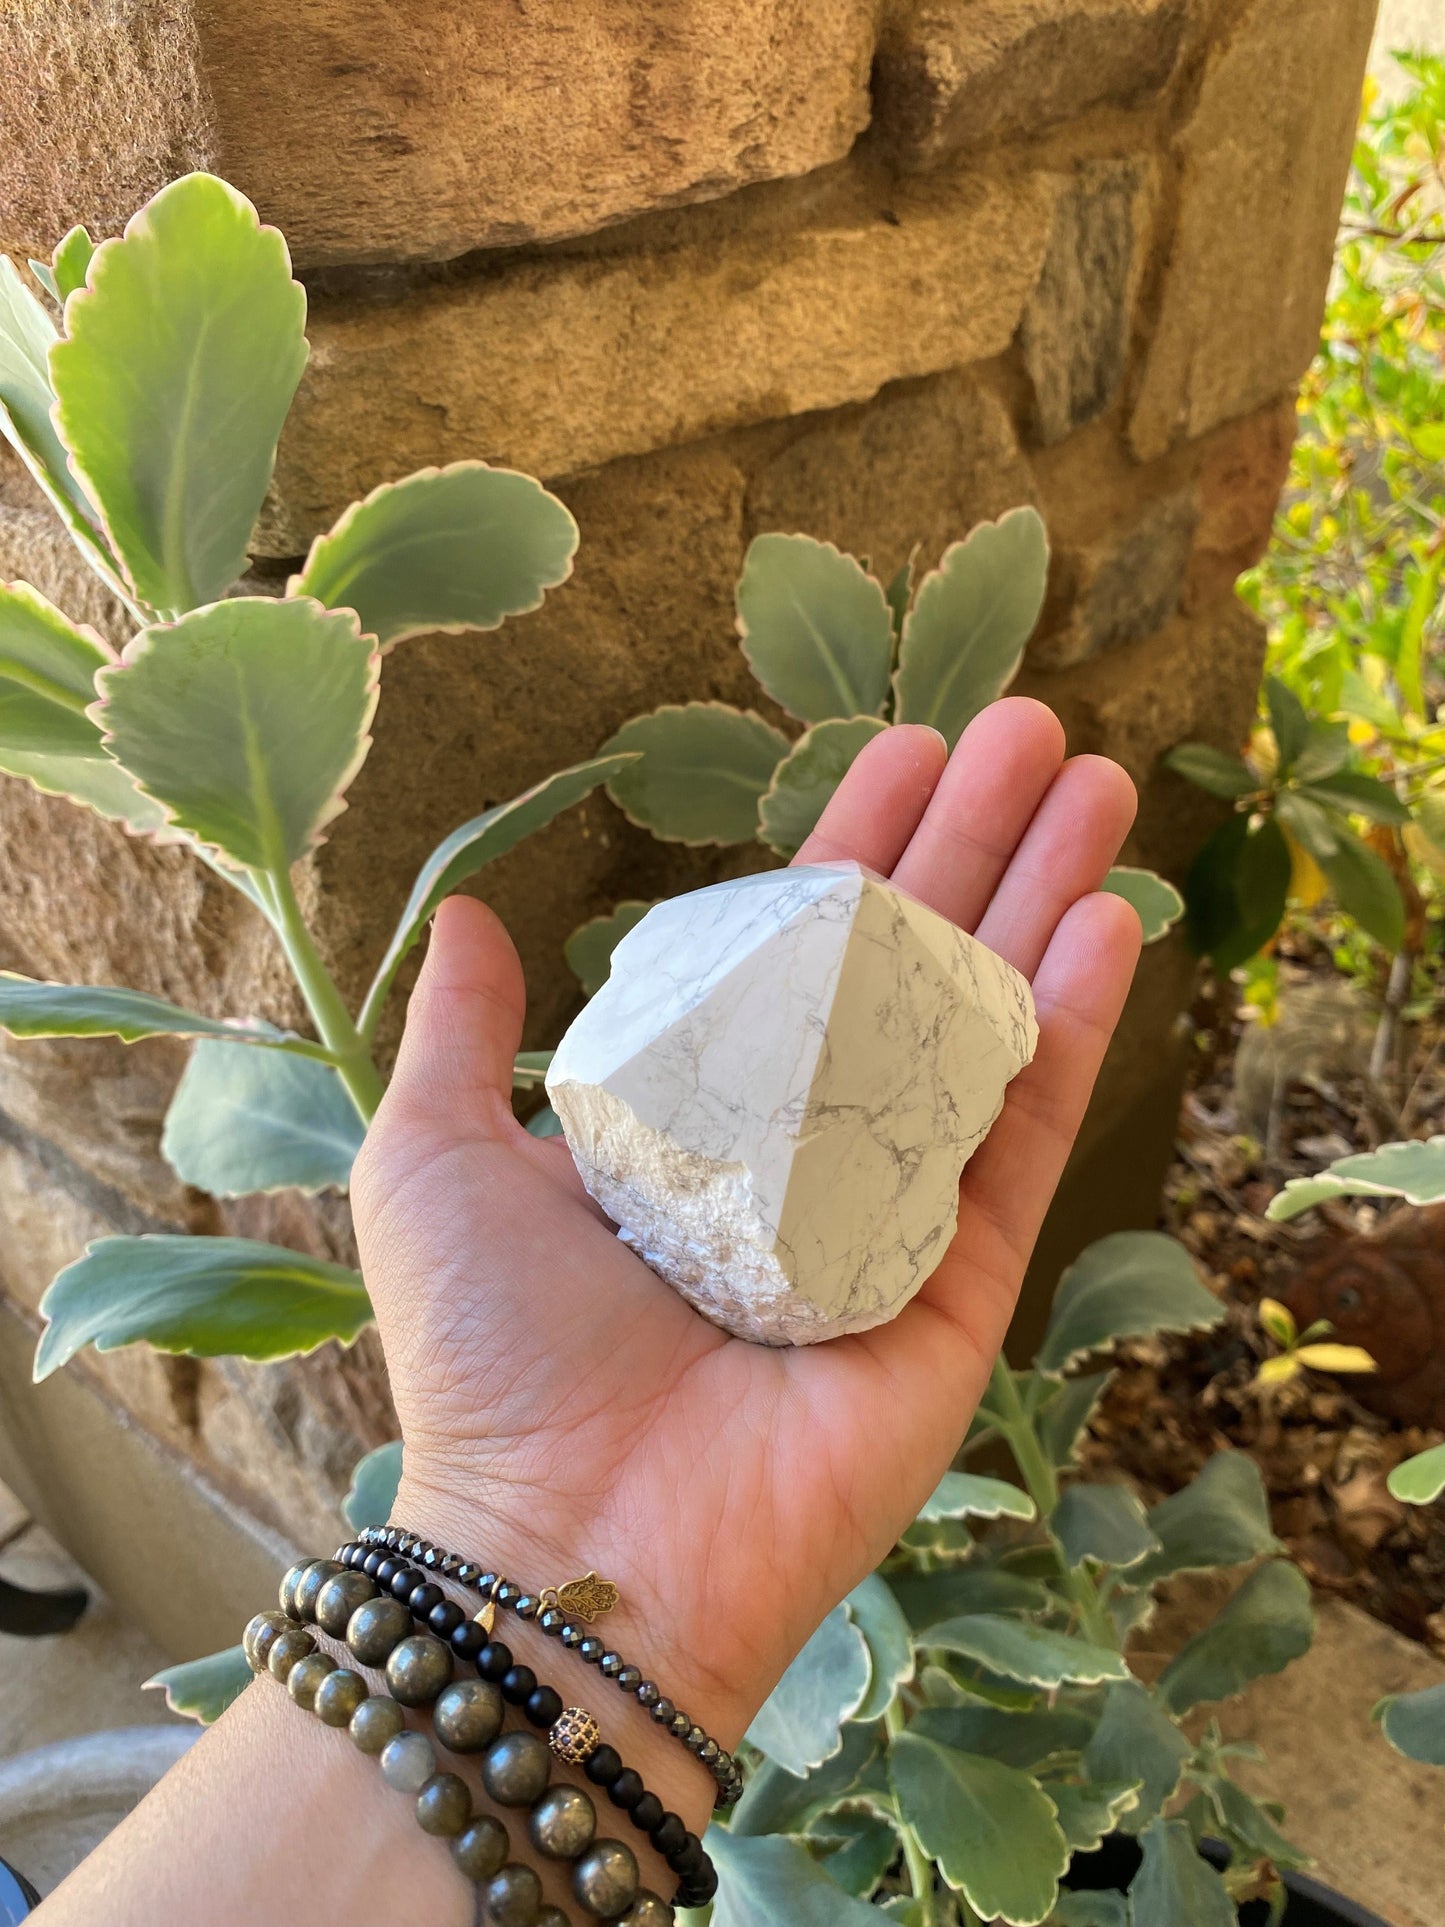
(777, 1088)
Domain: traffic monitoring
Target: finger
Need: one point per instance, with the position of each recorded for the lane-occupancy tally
(1065, 853)
(995, 780)
(877, 806)
(463, 1023)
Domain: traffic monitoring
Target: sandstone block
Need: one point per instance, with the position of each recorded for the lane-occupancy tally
(1263, 156)
(748, 322)
(965, 72)
(1124, 587)
(393, 130)
(1242, 474)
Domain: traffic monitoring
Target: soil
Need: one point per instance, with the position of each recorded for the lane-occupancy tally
(1263, 1108)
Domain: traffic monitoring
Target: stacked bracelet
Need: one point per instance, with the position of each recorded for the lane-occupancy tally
(547, 1609)
(573, 1734)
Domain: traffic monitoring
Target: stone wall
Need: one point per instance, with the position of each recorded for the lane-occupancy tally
(710, 267)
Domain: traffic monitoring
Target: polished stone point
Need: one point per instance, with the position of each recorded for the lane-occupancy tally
(775, 1091)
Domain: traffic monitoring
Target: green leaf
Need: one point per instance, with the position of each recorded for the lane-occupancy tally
(1088, 1813)
(1267, 1623)
(775, 1801)
(97, 783)
(1090, 1910)
(1246, 1822)
(181, 356)
(589, 948)
(1326, 751)
(800, 1724)
(1135, 1740)
(899, 593)
(42, 272)
(545, 1123)
(1288, 720)
(1212, 770)
(372, 1493)
(1017, 1650)
(1105, 1523)
(878, 1616)
(1158, 903)
(1128, 1285)
(815, 628)
(449, 549)
(207, 1297)
(1360, 881)
(29, 1008)
(202, 1689)
(1174, 1887)
(1067, 1410)
(991, 1829)
(1236, 891)
(470, 848)
(1420, 1480)
(928, 1598)
(27, 335)
(1411, 1169)
(964, 637)
(1023, 1740)
(1220, 1518)
(47, 677)
(247, 721)
(702, 772)
(804, 782)
(769, 1880)
(964, 1495)
(70, 262)
(1365, 795)
(245, 1120)
(529, 1069)
(1414, 1724)
(868, 1846)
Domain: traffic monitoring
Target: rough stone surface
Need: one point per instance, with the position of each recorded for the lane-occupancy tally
(1125, 588)
(1243, 469)
(393, 130)
(776, 1089)
(653, 348)
(1263, 160)
(968, 72)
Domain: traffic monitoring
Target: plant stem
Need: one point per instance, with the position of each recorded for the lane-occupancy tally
(333, 1020)
(920, 1867)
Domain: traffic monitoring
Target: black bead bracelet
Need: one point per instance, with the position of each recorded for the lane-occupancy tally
(378, 1543)
(572, 1733)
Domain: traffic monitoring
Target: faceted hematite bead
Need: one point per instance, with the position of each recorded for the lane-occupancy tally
(339, 1598)
(306, 1675)
(419, 1668)
(605, 1879)
(647, 1911)
(444, 1805)
(663, 1711)
(681, 1725)
(709, 1752)
(290, 1579)
(257, 1638)
(468, 1715)
(338, 1696)
(480, 1849)
(408, 1762)
(612, 1664)
(575, 1737)
(552, 1619)
(513, 1897)
(591, 1649)
(507, 1593)
(516, 1769)
(696, 1738)
(286, 1648)
(573, 1635)
(375, 1724)
(467, 1573)
(375, 1628)
(562, 1823)
(630, 1680)
(527, 1606)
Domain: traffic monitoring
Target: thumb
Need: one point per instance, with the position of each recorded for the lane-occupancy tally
(463, 1024)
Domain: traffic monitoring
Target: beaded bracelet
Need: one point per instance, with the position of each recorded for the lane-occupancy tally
(514, 1769)
(547, 1609)
(573, 1736)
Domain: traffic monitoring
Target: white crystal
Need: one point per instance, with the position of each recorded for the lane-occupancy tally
(775, 1091)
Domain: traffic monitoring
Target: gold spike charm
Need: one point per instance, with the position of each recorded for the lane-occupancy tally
(586, 1599)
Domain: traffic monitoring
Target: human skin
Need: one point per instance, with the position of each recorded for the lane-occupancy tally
(563, 1409)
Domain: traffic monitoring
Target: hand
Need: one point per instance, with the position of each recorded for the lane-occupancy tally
(562, 1408)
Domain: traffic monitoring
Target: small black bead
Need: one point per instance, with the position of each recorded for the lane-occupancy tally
(699, 1890)
(507, 1594)
(372, 1563)
(709, 1752)
(518, 1685)
(695, 1738)
(669, 1836)
(647, 1693)
(405, 1582)
(527, 1606)
(629, 1679)
(552, 1619)
(467, 1572)
(663, 1711)
(626, 1790)
(592, 1649)
(388, 1569)
(612, 1664)
(422, 1598)
(573, 1635)
(604, 1767)
(648, 1812)
(445, 1618)
(681, 1725)
(468, 1639)
(544, 1706)
(494, 1661)
(688, 1858)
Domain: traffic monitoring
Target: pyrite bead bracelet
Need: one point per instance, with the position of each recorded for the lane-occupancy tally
(573, 1734)
(514, 1769)
(378, 1542)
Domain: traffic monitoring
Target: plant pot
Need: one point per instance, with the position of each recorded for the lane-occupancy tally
(1311, 1904)
(59, 1801)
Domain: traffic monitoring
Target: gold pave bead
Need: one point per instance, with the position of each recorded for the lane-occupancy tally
(575, 1736)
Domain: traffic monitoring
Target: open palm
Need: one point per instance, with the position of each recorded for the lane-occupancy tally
(563, 1408)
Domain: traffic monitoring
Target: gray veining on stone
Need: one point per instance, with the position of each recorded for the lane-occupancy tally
(775, 1092)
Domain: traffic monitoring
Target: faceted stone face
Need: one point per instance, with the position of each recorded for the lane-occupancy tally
(776, 1090)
